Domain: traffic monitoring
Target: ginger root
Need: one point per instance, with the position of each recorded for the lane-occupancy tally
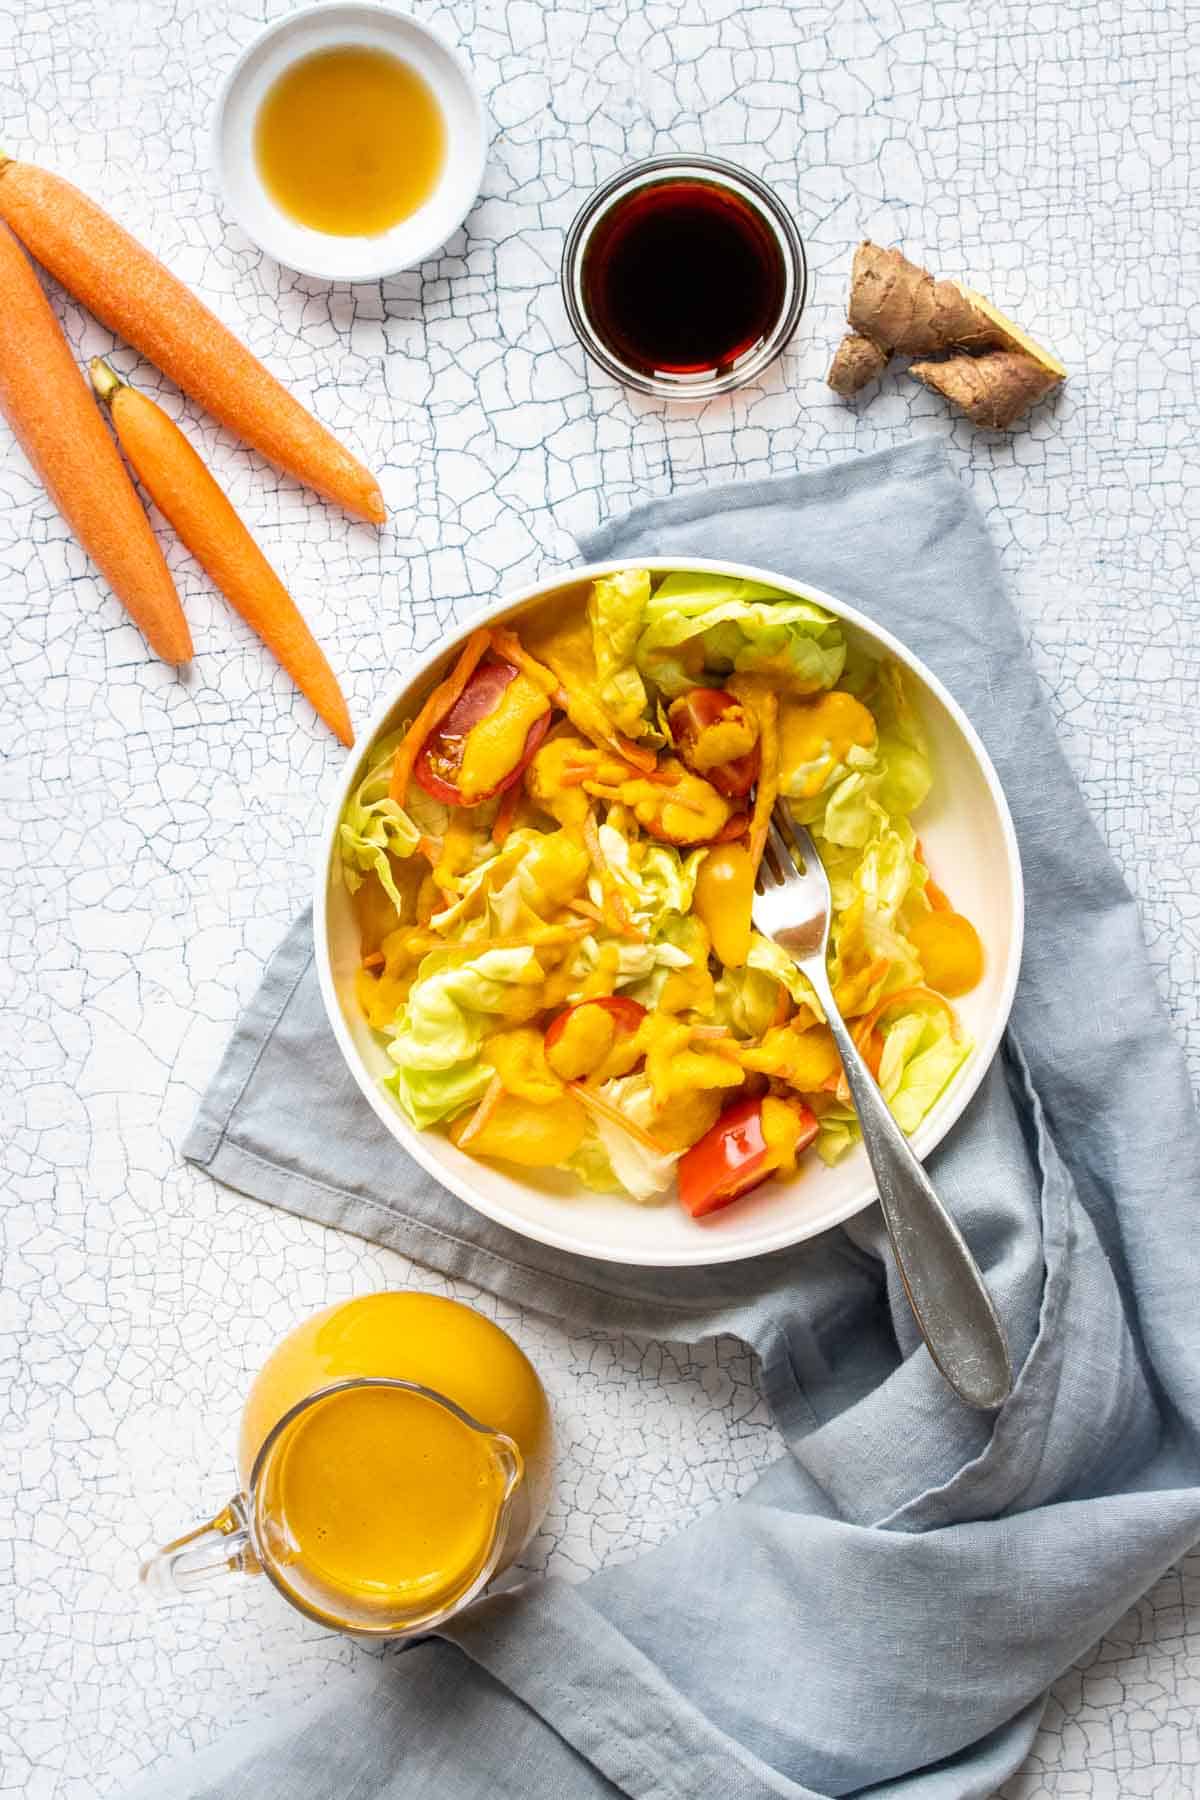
(995, 372)
(895, 303)
(992, 390)
(856, 361)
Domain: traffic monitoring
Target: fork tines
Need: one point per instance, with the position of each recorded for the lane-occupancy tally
(783, 854)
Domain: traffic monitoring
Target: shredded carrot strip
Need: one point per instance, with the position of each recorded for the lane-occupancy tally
(507, 644)
(902, 996)
(583, 709)
(506, 812)
(783, 1006)
(491, 1099)
(433, 712)
(767, 789)
(710, 1032)
(616, 911)
(604, 1109)
(643, 760)
(933, 893)
(376, 960)
(586, 910)
(430, 849)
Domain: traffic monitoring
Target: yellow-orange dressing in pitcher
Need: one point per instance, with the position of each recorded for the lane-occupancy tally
(380, 1497)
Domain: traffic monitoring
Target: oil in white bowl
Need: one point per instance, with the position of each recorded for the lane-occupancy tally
(349, 141)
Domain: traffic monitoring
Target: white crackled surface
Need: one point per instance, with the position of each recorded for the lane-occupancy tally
(164, 825)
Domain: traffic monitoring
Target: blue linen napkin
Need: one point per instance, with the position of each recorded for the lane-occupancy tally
(882, 1613)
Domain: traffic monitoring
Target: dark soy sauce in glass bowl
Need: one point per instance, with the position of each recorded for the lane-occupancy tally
(684, 277)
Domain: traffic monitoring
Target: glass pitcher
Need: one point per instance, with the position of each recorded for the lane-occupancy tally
(394, 1456)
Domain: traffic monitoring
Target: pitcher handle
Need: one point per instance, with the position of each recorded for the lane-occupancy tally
(210, 1553)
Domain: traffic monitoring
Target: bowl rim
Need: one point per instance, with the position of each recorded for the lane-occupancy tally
(709, 1249)
(293, 21)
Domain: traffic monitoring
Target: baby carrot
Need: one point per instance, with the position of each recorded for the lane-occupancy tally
(127, 288)
(186, 494)
(45, 399)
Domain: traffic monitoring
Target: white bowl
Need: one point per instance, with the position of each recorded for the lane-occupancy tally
(326, 26)
(964, 826)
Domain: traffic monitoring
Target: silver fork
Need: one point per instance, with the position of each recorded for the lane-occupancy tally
(945, 1289)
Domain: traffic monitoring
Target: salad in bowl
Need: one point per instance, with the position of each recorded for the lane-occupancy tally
(551, 864)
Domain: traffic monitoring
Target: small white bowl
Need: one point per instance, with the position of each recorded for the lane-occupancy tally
(326, 26)
(964, 825)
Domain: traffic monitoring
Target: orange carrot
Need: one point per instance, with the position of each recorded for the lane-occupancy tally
(506, 812)
(905, 996)
(604, 1109)
(186, 494)
(134, 295)
(46, 401)
(493, 1093)
(432, 714)
(933, 893)
(767, 789)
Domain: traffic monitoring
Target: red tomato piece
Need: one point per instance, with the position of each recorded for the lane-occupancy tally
(440, 756)
(726, 1162)
(692, 714)
(736, 826)
(626, 1016)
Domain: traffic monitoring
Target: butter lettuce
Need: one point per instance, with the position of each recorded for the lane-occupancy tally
(615, 609)
(837, 1132)
(921, 1053)
(905, 768)
(611, 1160)
(436, 1037)
(373, 827)
(711, 622)
(747, 998)
(658, 881)
(871, 784)
(680, 943)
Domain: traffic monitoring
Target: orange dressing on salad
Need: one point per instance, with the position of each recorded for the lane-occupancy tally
(494, 746)
(821, 731)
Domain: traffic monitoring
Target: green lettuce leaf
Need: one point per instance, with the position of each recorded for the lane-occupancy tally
(837, 1132)
(680, 942)
(660, 882)
(743, 627)
(374, 826)
(905, 768)
(921, 1054)
(436, 1037)
(889, 873)
(852, 814)
(615, 608)
(611, 1161)
(769, 959)
(590, 1165)
(747, 998)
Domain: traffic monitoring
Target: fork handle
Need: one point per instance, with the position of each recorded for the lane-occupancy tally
(946, 1291)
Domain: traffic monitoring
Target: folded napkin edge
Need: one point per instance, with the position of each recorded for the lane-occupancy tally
(926, 455)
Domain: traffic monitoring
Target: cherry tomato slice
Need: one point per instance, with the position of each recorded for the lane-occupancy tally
(440, 756)
(691, 715)
(626, 1016)
(726, 1162)
(735, 827)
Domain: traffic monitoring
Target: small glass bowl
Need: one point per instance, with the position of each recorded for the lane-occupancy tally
(715, 172)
